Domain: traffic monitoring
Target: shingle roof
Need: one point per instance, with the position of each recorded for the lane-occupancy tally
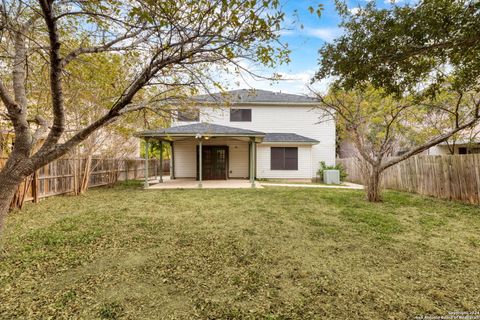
(287, 137)
(191, 130)
(201, 128)
(254, 95)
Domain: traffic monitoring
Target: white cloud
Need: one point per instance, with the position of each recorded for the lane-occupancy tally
(297, 82)
(326, 34)
(294, 83)
(355, 10)
(287, 32)
(411, 3)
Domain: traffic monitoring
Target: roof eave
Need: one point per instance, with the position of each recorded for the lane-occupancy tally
(300, 104)
(166, 135)
(291, 142)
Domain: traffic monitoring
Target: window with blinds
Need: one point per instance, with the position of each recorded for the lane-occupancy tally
(241, 115)
(284, 158)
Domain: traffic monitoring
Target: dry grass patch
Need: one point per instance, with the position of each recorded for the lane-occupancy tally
(273, 253)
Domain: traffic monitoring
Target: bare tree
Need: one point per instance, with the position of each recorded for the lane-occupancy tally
(176, 42)
(377, 123)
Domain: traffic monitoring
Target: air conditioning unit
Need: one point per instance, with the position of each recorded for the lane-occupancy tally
(331, 176)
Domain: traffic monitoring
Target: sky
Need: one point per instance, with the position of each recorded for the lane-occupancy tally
(304, 44)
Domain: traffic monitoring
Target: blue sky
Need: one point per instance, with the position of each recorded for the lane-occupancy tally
(304, 44)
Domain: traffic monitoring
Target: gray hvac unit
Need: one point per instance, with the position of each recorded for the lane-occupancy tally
(331, 176)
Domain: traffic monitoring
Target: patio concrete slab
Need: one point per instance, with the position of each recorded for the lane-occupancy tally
(345, 185)
(207, 184)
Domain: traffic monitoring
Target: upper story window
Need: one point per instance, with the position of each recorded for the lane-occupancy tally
(190, 115)
(284, 158)
(244, 115)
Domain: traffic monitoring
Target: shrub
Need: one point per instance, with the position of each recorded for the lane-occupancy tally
(339, 167)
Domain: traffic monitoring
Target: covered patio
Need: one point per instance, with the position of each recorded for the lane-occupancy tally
(205, 155)
(167, 183)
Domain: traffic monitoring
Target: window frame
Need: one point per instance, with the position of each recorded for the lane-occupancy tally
(242, 112)
(283, 163)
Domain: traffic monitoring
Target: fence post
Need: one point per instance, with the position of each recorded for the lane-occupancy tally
(35, 187)
(126, 170)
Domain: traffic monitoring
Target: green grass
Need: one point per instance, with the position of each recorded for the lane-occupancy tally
(273, 253)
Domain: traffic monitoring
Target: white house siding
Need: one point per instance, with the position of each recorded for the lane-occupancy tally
(185, 157)
(444, 150)
(438, 150)
(238, 159)
(304, 163)
(299, 119)
(184, 154)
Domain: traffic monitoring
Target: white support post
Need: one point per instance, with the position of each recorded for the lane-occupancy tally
(160, 179)
(200, 163)
(252, 166)
(146, 184)
(171, 160)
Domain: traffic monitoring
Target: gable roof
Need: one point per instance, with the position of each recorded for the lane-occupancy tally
(254, 96)
(288, 137)
(200, 128)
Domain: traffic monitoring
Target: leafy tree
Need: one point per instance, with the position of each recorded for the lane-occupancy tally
(173, 45)
(408, 75)
(406, 48)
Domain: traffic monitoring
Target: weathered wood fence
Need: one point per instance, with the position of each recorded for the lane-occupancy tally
(58, 177)
(455, 177)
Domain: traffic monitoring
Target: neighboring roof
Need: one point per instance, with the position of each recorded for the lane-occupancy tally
(288, 137)
(200, 128)
(254, 96)
(460, 142)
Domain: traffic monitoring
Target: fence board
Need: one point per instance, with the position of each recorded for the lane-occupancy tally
(455, 177)
(58, 177)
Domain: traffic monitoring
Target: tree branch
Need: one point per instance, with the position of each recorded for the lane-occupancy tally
(431, 143)
(7, 99)
(55, 77)
(109, 46)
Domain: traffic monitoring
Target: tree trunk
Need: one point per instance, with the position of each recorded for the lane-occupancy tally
(373, 185)
(10, 180)
(85, 182)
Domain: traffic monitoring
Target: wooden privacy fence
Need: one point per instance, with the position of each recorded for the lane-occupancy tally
(58, 177)
(455, 177)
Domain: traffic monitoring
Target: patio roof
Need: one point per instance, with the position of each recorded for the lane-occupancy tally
(207, 129)
(288, 138)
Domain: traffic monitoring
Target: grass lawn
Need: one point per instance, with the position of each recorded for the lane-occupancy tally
(273, 253)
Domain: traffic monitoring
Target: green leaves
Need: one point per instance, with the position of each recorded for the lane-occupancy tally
(401, 48)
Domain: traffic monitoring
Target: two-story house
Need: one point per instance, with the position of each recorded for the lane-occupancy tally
(249, 134)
